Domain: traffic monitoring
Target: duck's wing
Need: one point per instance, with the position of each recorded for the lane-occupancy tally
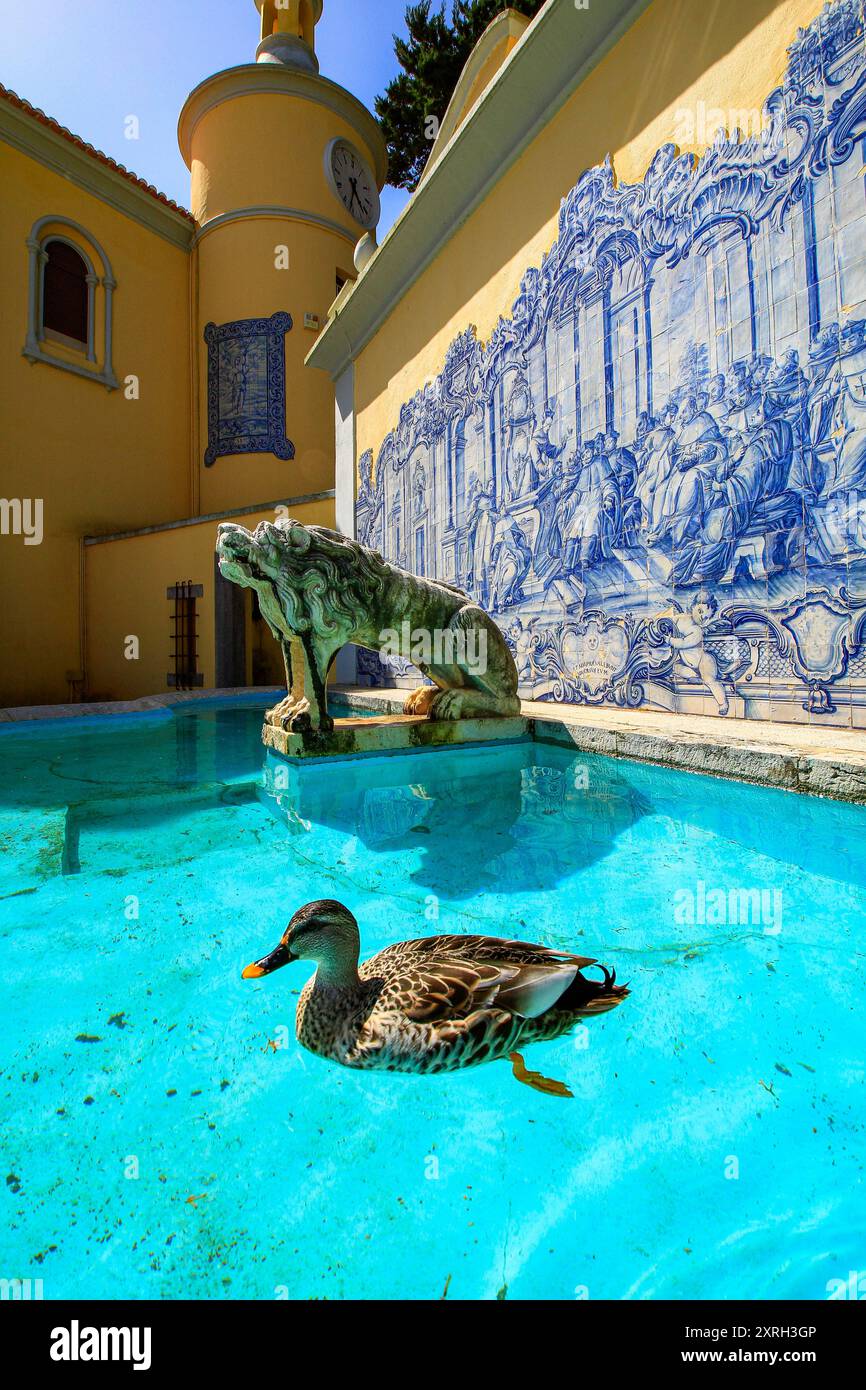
(441, 988)
(475, 949)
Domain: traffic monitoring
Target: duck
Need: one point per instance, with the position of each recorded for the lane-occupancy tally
(434, 1004)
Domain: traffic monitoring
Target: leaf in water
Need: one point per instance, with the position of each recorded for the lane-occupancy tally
(534, 1078)
(782, 1069)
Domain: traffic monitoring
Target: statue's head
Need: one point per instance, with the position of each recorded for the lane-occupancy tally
(235, 551)
(310, 576)
(255, 557)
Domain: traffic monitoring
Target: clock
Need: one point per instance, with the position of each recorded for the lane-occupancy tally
(353, 182)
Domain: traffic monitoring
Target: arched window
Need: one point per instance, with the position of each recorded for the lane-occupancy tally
(70, 300)
(65, 308)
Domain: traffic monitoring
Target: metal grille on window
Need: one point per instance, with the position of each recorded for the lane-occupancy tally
(184, 637)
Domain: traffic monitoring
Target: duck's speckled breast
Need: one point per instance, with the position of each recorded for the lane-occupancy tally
(333, 1023)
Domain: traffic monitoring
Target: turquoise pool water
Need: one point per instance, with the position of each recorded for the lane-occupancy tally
(714, 1145)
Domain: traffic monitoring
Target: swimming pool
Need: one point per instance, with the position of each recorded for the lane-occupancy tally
(156, 1146)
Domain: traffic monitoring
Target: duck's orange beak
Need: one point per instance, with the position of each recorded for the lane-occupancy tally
(268, 964)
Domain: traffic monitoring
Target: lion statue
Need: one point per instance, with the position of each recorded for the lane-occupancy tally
(318, 590)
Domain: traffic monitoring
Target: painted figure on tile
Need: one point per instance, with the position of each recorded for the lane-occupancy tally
(518, 468)
(655, 463)
(480, 535)
(521, 640)
(687, 641)
(510, 560)
(699, 450)
(543, 453)
(848, 473)
(592, 515)
(747, 491)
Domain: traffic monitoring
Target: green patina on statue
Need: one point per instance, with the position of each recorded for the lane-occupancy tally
(319, 590)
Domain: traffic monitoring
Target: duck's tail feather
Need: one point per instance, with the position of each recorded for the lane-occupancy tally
(593, 996)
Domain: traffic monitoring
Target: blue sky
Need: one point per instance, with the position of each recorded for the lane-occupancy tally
(92, 63)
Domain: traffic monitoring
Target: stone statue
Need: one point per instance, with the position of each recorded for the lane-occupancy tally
(318, 590)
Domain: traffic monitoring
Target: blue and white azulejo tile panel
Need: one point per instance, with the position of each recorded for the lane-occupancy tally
(654, 473)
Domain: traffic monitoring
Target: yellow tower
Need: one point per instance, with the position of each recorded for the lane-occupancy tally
(288, 32)
(286, 168)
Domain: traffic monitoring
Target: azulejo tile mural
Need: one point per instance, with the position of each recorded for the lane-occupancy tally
(246, 398)
(654, 473)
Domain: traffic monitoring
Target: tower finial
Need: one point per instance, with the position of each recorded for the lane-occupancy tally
(289, 32)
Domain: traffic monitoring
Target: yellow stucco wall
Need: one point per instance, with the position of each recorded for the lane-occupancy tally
(98, 460)
(259, 151)
(126, 583)
(105, 464)
(727, 54)
(309, 286)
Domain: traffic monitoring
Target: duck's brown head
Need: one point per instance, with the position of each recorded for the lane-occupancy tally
(324, 931)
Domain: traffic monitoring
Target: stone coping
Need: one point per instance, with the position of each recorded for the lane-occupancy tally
(812, 758)
(148, 704)
(391, 733)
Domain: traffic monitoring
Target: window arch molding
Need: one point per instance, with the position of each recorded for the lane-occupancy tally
(44, 231)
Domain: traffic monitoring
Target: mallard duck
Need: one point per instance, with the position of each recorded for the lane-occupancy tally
(431, 1005)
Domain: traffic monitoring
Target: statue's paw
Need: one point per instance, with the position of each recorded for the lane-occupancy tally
(275, 715)
(421, 700)
(446, 704)
(300, 723)
(284, 714)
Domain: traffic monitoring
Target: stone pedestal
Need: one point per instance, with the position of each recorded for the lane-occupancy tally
(392, 733)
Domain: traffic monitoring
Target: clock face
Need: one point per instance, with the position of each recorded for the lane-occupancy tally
(353, 182)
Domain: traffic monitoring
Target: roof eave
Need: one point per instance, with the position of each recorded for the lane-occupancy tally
(551, 60)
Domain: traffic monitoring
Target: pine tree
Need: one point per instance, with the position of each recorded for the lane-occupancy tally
(432, 58)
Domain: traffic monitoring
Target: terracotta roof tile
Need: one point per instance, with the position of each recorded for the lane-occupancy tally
(40, 116)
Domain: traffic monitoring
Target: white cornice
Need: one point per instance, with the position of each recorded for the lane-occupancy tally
(254, 79)
(30, 137)
(557, 52)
